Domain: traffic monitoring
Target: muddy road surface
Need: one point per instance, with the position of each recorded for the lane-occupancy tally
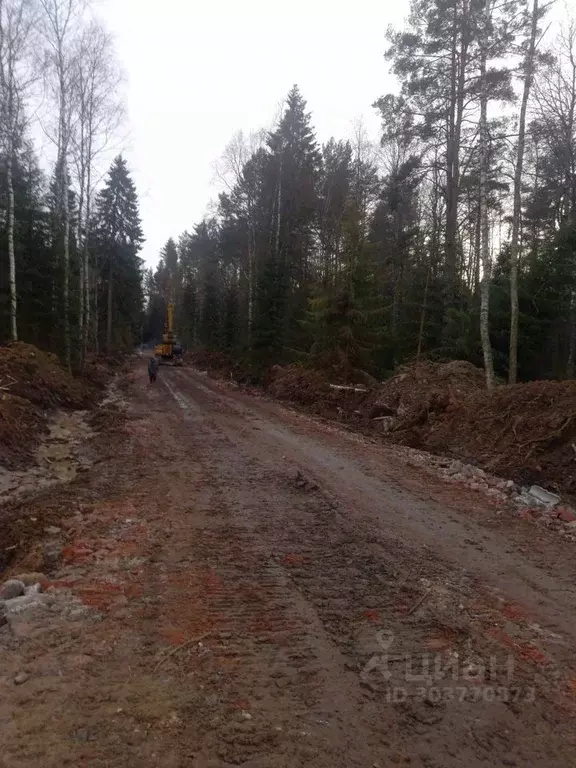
(237, 584)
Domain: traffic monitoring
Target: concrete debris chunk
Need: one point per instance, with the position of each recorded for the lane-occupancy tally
(525, 499)
(12, 588)
(544, 496)
(24, 603)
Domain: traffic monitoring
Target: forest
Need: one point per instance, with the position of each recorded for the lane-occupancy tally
(453, 237)
(70, 231)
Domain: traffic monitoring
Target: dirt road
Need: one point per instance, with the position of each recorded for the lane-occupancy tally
(262, 589)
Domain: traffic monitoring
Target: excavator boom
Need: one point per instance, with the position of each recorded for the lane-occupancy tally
(171, 317)
(170, 350)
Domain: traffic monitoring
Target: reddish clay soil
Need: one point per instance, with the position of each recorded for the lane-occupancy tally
(256, 587)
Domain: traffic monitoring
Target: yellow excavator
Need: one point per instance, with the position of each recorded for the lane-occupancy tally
(170, 351)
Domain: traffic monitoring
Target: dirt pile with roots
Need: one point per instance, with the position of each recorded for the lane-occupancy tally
(309, 388)
(38, 377)
(32, 383)
(526, 432)
(297, 384)
(420, 390)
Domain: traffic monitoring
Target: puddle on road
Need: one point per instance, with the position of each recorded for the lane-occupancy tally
(59, 458)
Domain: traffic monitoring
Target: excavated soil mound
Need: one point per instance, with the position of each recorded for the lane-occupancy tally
(421, 389)
(298, 385)
(311, 389)
(39, 378)
(21, 427)
(98, 374)
(31, 383)
(526, 432)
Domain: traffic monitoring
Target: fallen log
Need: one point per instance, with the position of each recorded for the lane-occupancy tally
(348, 389)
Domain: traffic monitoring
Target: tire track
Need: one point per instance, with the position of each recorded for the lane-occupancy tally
(353, 584)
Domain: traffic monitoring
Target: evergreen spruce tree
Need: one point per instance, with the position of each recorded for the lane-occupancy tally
(283, 289)
(118, 237)
(38, 318)
(203, 247)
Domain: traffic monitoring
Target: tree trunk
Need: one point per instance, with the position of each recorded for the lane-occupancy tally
(81, 305)
(80, 243)
(63, 146)
(451, 207)
(109, 311)
(85, 261)
(250, 293)
(10, 106)
(423, 315)
(87, 307)
(96, 309)
(477, 251)
(11, 255)
(571, 118)
(278, 213)
(459, 62)
(484, 222)
(570, 362)
(514, 245)
(397, 275)
(251, 267)
(66, 255)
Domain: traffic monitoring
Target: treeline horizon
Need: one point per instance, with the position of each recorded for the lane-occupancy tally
(455, 240)
(460, 245)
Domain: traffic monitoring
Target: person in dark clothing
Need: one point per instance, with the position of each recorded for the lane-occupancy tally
(152, 369)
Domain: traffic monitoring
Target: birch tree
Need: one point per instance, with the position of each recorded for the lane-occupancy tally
(486, 24)
(17, 24)
(98, 115)
(60, 28)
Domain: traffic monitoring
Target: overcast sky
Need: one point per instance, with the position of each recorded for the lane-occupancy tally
(199, 70)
